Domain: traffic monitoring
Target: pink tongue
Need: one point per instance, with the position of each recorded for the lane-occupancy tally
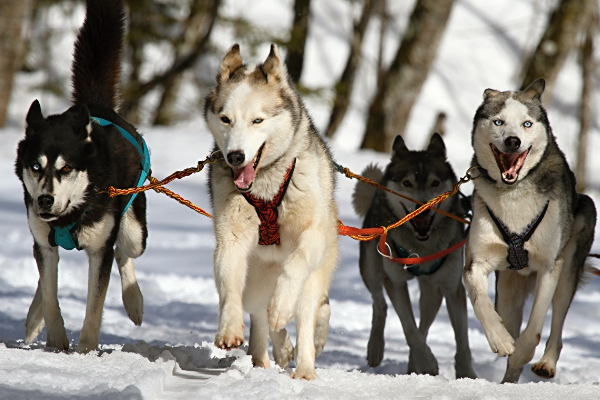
(243, 177)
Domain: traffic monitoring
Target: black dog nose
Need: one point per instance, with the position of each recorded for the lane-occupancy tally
(512, 143)
(235, 158)
(45, 201)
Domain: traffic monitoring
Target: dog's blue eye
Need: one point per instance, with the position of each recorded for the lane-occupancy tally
(498, 122)
(527, 124)
(257, 121)
(36, 167)
(225, 120)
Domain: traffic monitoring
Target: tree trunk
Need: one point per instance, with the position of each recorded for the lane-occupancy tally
(197, 25)
(297, 44)
(569, 19)
(13, 14)
(585, 117)
(343, 89)
(136, 89)
(390, 109)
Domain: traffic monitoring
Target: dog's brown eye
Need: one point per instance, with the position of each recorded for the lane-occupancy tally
(435, 183)
(225, 120)
(66, 169)
(407, 184)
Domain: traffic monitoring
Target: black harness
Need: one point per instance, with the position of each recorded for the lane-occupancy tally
(518, 257)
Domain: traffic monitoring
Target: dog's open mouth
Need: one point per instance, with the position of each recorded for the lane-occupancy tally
(244, 176)
(421, 223)
(510, 164)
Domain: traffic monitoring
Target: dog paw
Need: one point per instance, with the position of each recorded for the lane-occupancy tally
(262, 362)
(85, 347)
(500, 341)
(133, 301)
(307, 374)
(375, 352)
(280, 311)
(57, 338)
(283, 354)
(544, 369)
(230, 338)
(422, 362)
(33, 330)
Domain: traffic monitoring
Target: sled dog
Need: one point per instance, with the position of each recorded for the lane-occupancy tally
(275, 218)
(529, 225)
(63, 162)
(421, 175)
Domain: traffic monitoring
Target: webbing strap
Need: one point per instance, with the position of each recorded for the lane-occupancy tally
(143, 152)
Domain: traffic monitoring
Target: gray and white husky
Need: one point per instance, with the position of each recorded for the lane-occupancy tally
(275, 218)
(421, 175)
(529, 224)
(62, 162)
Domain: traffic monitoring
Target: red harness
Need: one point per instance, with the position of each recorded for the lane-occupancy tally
(268, 230)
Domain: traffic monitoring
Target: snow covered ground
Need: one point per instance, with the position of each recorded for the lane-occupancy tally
(171, 355)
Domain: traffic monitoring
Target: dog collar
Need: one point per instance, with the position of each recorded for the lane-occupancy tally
(268, 230)
(416, 269)
(518, 257)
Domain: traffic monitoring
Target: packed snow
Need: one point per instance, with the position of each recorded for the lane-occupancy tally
(171, 356)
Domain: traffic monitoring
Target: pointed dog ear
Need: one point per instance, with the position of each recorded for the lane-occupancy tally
(80, 119)
(399, 148)
(230, 63)
(536, 89)
(273, 68)
(35, 120)
(436, 146)
(489, 93)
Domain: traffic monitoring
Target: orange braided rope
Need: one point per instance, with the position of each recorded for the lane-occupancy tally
(158, 187)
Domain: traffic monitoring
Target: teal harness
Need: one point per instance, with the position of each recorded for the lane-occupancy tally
(66, 237)
(415, 269)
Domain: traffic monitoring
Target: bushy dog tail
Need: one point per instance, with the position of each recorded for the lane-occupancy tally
(97, 60)
(364, 193)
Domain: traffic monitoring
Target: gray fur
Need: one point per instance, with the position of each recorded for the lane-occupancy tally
(430, 174)
(557, 249)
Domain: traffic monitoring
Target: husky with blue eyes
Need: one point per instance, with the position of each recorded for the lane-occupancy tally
(529, 225)
(64, 161)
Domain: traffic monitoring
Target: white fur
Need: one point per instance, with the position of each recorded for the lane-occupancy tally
(279, 282)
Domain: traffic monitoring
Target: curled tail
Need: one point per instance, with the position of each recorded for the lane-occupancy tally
(363, 192)
(97, 60)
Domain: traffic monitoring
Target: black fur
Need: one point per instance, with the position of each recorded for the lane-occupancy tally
(103, 153)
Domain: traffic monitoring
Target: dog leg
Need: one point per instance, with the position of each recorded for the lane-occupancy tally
(476, 282)
(430, 301)
(133, 301)
(547, 280)
(306, 316)
(35, 318)
(456, 303)
(512, 290)
(322, 326)
(424, 360)
(230, 276)
(575, 254)
(98, 278)
(47, 261)
(283, 350)
(258, 344)
(371, 270)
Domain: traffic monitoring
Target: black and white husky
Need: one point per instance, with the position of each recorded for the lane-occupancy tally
(63, 162)
(529, 224)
